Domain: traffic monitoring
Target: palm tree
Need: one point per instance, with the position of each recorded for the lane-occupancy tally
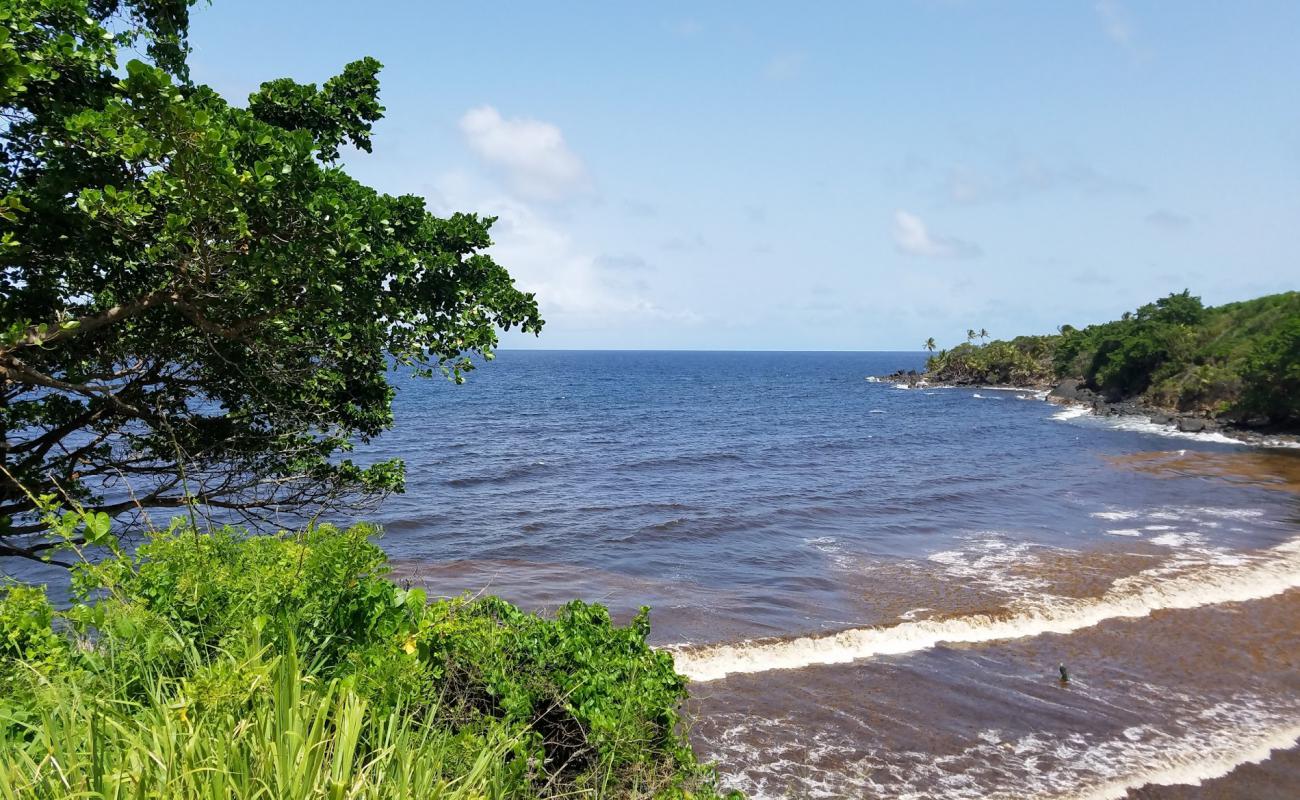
(929, 344)
(970, 334)
(983, 334)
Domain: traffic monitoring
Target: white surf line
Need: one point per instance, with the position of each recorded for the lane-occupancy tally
(1137, 424)
(1192, 769)
(1272, 572)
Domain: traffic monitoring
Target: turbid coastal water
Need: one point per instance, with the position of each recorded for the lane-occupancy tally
(872, 587)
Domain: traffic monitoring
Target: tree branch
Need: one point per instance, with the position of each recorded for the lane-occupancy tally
(34, 336)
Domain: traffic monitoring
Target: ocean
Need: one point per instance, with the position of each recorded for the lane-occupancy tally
(872, 588)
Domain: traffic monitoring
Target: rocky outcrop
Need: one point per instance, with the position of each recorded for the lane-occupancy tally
(910, 378)
(1073, 391)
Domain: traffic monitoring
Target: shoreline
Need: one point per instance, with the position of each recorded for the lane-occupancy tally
(1070, 393)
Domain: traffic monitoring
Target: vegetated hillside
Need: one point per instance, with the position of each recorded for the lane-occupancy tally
(1238, 362)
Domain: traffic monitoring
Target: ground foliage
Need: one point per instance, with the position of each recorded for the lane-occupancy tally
(197, 302)
(1239, 361)
(199, 638)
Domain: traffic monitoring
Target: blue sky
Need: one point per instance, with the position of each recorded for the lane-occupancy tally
(850, 176)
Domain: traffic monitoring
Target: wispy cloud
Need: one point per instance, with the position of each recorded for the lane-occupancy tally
(532, 154)
(1115, 23)
(784, 66)
(1091, 277)
(688, 28)
(684, 244)
(912, 238)
(1168, 220)
(1031, 176)
(576, 287)
(626, 262)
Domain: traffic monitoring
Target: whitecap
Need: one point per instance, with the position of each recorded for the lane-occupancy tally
(1269, 573)
(1114, 515)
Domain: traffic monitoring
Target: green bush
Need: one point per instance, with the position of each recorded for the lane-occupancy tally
(1272, 375)
(195, 622)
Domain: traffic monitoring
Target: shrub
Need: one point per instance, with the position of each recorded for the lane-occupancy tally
(196, 622)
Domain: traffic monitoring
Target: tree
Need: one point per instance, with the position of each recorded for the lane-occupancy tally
(1271, 376)
(197, 304)
(930, 345)
(971, 334)
(983, 334)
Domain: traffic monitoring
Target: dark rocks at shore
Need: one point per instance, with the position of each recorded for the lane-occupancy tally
(910, 378)
(1074, 392)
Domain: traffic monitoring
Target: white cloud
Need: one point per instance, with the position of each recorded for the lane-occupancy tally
(575, 287)
(532, 154)
(912, 238)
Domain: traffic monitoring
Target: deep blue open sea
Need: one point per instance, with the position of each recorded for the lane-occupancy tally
(871, 587)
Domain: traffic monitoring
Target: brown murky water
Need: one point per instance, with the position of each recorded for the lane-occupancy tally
(872, 587)
(933, 673)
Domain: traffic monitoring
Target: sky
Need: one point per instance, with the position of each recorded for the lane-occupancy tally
(827, 176)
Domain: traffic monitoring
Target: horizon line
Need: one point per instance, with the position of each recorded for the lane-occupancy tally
(680, 350)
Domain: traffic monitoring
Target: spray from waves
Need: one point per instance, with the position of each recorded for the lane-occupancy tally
(1272, 572)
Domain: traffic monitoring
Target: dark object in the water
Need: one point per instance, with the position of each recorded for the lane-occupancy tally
(1065, 675)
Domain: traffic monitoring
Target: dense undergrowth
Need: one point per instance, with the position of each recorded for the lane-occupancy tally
(219, 665)
(1239, 361)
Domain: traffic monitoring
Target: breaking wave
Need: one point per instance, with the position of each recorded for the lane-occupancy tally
(1222, 740)
(1134, 424)
(1266, 574)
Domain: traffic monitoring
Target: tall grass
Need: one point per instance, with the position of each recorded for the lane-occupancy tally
(221, 665)
(296, 738)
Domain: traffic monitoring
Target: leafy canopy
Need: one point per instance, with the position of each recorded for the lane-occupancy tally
(196, 300)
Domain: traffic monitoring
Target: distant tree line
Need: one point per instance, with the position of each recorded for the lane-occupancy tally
(1240, 360)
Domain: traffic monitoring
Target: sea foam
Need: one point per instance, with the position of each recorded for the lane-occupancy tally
(1136, 424)
(1199, 758)
(1266, 574)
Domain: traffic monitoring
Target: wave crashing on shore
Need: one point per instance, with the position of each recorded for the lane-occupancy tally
(1266, 574)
